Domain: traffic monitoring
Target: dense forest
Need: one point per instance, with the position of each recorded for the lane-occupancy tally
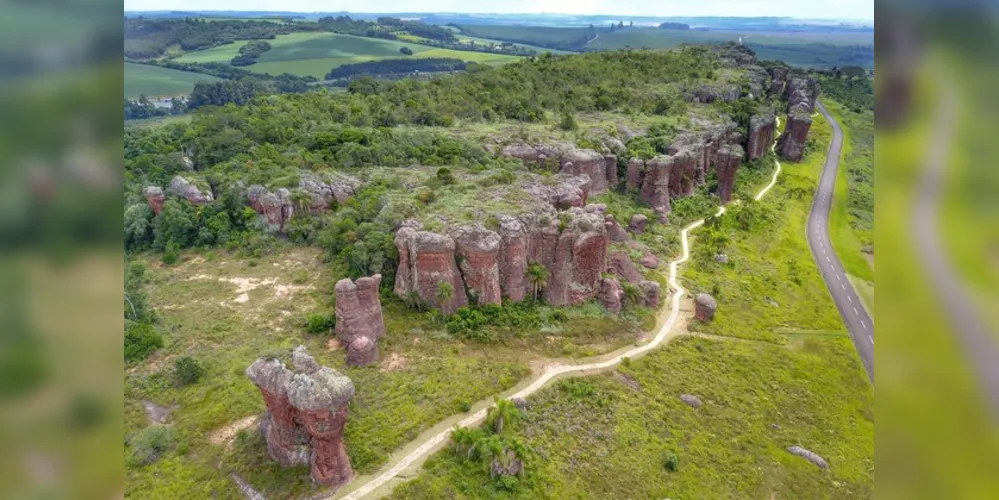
(146, 38)
(396, 66)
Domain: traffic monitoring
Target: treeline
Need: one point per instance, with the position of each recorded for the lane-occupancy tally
(149, 38)
(249, 53)
(142, 108)
(674, 26)
(569, 39)
(396, 66)
(850, 86)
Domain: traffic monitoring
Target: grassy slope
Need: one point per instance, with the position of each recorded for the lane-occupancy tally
(758, 297)
(317, 53)
(153, 81)
(531, 35)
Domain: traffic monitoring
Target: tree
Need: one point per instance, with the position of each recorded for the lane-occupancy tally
(177, 224)
(138, 226)
(568, 122)
(445, 291)
(537, 274)
(406, 50)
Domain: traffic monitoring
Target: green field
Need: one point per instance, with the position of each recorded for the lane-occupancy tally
(141, 79)
(316, 54)
(543, 36)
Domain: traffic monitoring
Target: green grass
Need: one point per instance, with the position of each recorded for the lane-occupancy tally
(316, 54)
(771, 281)
(530, 35)
(155, 81)
(612, 443)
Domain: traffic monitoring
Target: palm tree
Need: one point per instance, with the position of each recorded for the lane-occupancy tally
(504, 412)
(538, 276)
(445, 291)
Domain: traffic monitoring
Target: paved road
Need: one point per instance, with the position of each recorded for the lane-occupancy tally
(855, 317)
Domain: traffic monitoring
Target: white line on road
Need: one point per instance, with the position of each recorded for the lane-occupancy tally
(842, 286)
(871, 339)
(849, 298)
(827, 259)
(863, 324)
(838, 278)
(855, 311)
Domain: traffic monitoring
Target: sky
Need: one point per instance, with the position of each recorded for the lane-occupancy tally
(811, 9)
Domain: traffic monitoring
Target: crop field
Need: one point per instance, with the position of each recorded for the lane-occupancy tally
(141, 79)
(316, 53)
(531, 35)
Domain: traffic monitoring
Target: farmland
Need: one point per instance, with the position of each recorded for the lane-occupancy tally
(146, 80)
(316, 53)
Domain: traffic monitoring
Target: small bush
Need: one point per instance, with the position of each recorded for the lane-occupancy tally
(187, 371)
(300, 276)
(671, 462)
(171, 254)
(577, 388)
(149, 444)
(445, 176)
(463, 405)
(508, 483)
(320, 323)
(140, 341)
(568, 122)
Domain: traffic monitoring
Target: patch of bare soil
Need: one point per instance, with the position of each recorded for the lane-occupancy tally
(394, 362)
(225, 435)
(157, 414)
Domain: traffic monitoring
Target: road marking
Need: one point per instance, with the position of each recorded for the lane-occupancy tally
(855, 311)
(863, 324)
(838, 279)
(849, 298)
(827, 259)
(871, 339)
(842, 286)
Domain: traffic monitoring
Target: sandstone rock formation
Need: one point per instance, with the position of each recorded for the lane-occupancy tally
(655, 182)
(478, 252)
(426, 260)
(513, 258)
(306, 414)
(620, 264)
(649, 260)
(792, 141)
(615, 232)
(182, 187)
(359, 321)
(704, 307)
(761, 134)
(155, 198)
(809, 455)
(801, 93)
(637, 224)
(778, 79)
(276, 206)
(611, 295)
(636, 174)
(727, 162)
(593, 164)
(715, 92)
(650, 294)
(574, 276)
(562, 191)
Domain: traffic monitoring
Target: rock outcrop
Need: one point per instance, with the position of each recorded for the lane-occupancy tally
(727, 162)
(792, 141)
(574, 276)
(611, 294)
(650, 294)
(562, 191)
(306, 414)
(692, 401)
(593, 164)
(809, 455)
(155, 198)
(426, 262)
(635, 174)
(478, 253)
(704, 307)
(710, 93)
(359, 321)
(637, 223)
(655, 182)
(801, 93)
(180, 186)
(761, 134)
(275, 206)
(649, 260)
(620, 264)
(778, 80)
(615, 232)
(513, 258)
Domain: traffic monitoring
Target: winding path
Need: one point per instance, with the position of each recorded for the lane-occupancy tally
(855, 316)
(436, 441)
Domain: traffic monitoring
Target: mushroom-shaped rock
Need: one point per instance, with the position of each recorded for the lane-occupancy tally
(611, 294)
(704, 307)
(359, 316)
(306, 414)
(621, 265)
(649, 261)
(650, 294)
(691, 400)
(155, 198)
(637, 224)
(615, 232)
(185, 189)
(809, 455)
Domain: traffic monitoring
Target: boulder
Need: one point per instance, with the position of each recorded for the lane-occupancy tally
(650, 294)
(704, 307)
(524, 152)
(306, 414)
(761, 134)
(637, 224)
(649, 260)
(591, 163)
(276, 207)
(359, 321)
(620, 264)
(615, 232)
(727, 162)
(809, 455)
(478, 252)
(636, 174)
(721, 258)
(426, 260)
(574, 276)
(792, 141)
(155, 198)
(691, 400)
(662, 215)
(611, 294)
(614, 145)
(180, 186)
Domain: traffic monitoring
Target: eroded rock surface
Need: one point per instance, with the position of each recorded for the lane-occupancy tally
(727, 162)
(155, 198)
(704, 307)
(611, 295)
(615, 232)
(306, 414)
(637, 224)
(478, 253)
(562, 191)
(761, 134)
(574, 276)
(649, 260)
(809, 455)
(691, 400)
(592, 164)
(426, 261)
(650, 294)
(620, 264)
(792, 141)
(180, 186)
(359, 320)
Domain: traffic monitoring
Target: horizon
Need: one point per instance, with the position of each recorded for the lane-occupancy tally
(216, 11)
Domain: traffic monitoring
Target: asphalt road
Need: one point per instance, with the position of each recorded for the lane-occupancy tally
(855, 317)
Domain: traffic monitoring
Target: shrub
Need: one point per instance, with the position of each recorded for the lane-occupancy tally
(568, 122)
(187, 371)
(406, 50)
(171, 253)
(445, 176)
(508, 483)
(320, 323)
(140, 341)
(671, 462)
(577, 388)
(149, 444)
